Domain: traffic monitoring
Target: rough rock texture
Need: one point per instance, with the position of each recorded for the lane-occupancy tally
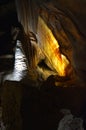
(70, 122)
(25, 106)
(70, 38)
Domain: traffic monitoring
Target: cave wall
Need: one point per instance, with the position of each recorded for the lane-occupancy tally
(77, 7)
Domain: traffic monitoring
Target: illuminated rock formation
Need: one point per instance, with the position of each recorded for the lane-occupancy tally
(58, 37)
(50, 47)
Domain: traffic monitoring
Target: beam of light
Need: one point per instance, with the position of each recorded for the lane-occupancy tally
(50, 47)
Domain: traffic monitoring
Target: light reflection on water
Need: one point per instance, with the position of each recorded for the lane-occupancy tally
(20, 66)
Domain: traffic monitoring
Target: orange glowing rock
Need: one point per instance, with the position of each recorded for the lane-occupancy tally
(50, 47)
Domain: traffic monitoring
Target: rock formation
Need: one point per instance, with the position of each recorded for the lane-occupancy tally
(35, 100)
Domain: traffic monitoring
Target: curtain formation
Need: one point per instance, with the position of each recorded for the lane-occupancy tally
(27, 14)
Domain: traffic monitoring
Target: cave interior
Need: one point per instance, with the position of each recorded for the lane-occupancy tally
(43, 64)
